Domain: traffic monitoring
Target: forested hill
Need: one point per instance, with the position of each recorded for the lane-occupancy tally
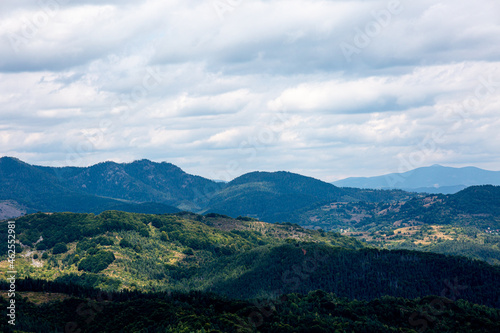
(164, 186)
(477, 200)
(30, 188)
(238, 258)
(149, 187)
(277, 196)
(476, 206)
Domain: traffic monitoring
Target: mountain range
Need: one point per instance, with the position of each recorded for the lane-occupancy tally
(432, 179)
(149, 187)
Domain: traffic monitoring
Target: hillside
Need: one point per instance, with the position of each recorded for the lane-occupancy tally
(271, 196)
(466, 223)
(277, 196)
(476, 206)
(141, 186)
(238, 258)
(165, 188)
(139, 181)
(26, 189)
(433, 179)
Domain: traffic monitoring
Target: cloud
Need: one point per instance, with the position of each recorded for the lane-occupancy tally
(326, 88)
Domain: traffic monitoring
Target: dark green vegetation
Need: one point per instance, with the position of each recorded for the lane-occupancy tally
(278, 196)
(148, 187)
(466, 223)
(477, 206)
(93, 311)
(101, 187)
(191, 273)
(240, 258)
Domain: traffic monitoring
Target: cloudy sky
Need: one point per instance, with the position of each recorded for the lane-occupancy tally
(328, 89)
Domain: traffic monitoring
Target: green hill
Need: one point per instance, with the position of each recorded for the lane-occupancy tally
(238, 258)
(36, 189)
(141, 186)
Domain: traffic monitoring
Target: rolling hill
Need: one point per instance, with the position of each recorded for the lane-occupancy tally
(271, 196)
(239, 258)
(185, 272)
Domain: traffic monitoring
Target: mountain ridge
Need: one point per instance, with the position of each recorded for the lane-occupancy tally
(434, 179)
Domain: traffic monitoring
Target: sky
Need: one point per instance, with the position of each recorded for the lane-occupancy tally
(327, 89)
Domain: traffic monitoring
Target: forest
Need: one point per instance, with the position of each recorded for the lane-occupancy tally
(78, 309)
(239, 258)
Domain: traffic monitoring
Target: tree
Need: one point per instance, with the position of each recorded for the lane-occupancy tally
(59, 248)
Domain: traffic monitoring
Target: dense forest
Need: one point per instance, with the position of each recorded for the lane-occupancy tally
(88, 310)
(239, 258)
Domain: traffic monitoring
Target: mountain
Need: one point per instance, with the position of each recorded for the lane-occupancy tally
(475, 206)
(163, 187)
(140, 186)
(278, 196)
(433, 179)
(465, 223)
(139, 181)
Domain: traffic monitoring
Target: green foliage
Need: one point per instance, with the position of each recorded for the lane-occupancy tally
(68, 227)
(125, 243)
(164, 236)
(59, 248)
(97, 262)
(41, 246)
(316, 311)
(246, 218)
(103, 240)
(19, 248)
(89, 280)
(247, 259)
(45, 255)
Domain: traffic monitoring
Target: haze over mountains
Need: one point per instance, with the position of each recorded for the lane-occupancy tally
(432, 179)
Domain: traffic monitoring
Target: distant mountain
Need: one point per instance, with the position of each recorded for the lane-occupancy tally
(149, 187)
(139, 181)
(95, 189)
(475, 206)
(433, 179)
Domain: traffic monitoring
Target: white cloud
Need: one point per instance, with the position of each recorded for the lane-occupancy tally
(267, 87)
